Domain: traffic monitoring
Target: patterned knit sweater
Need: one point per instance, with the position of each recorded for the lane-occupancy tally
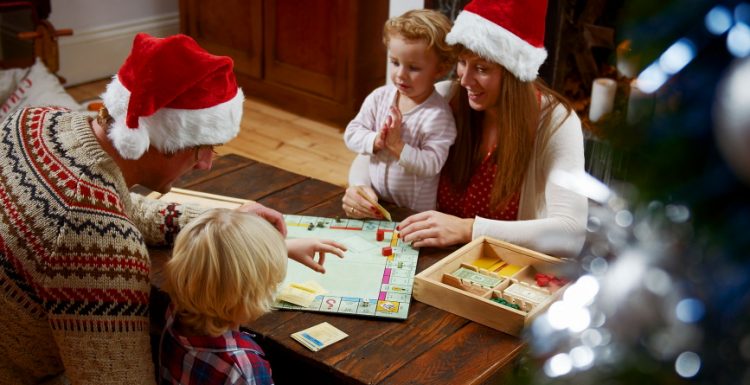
(74, 268)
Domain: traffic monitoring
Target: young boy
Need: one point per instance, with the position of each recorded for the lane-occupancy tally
(407, 127)
(225, 269)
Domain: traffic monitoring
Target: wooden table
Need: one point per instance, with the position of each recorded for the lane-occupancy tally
(431, 347)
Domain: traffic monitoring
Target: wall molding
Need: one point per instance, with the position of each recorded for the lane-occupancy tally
(98, 53)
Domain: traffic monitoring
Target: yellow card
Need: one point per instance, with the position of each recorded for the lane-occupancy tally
(377, 205)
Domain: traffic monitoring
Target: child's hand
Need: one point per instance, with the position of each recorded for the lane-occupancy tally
(271, 215)
(393, 141)
(303, 251)
(379, 143)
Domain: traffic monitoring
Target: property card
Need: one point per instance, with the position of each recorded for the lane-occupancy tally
(319, 336)
(301, 294)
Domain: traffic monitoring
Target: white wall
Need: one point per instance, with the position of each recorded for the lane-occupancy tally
(103, 32)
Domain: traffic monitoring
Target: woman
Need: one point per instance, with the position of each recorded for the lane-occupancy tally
(513, 132)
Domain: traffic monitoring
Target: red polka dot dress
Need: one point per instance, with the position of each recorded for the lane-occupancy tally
(475, 200)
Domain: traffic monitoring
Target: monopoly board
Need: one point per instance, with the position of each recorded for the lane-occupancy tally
(364, 282)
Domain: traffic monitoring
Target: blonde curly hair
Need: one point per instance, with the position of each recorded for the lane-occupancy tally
(225, 270)
(426, 25)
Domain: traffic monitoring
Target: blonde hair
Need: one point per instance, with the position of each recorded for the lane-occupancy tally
(225, 269)
(427, 25)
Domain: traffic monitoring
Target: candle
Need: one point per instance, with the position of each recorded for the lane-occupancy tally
(602, 98)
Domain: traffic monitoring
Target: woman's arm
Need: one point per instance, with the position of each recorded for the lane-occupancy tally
(561, 230)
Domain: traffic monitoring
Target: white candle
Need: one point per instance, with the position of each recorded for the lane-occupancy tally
(602, 98)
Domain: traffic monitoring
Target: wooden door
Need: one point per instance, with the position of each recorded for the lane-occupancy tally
(306, 44)
(227, 27)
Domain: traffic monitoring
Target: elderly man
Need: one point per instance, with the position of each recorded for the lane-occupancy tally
(74, 267)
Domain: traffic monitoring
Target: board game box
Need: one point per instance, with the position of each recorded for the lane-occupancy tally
(495, 283)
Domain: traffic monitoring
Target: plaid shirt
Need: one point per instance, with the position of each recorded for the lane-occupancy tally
(231, 358)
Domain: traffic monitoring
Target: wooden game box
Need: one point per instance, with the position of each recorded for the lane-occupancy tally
(439, 287)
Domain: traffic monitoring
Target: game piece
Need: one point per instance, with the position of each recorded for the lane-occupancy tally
(400, 265)
(319, 336)
(387, 251)
(502, 301)
(543, 280)
(477, 278)
(310, 226)
(377, 205)
(320, 224)
(380, 235)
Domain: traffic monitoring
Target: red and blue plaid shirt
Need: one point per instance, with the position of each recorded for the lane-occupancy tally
(231, 358)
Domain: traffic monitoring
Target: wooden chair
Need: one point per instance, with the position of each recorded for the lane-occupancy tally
(43, 38)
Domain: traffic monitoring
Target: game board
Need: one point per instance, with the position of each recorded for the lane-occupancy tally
(364, 282)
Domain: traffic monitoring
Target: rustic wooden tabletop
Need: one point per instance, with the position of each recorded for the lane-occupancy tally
(430, 347)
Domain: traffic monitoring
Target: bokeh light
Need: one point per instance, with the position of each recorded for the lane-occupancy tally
(718, 20)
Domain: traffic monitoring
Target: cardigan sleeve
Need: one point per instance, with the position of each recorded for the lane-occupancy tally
(559, 225)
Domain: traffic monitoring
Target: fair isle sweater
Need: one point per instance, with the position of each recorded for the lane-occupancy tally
(74, 268)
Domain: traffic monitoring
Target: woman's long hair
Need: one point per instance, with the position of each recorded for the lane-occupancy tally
(524, 112)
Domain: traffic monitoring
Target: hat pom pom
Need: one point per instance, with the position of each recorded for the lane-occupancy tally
(131, 143)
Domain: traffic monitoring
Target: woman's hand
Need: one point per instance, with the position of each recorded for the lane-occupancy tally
(357, 206)
(393, 141)
(435, 229)
(303, 250)
(271, 215)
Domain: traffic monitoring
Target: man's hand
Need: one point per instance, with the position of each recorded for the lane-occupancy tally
(271, 215)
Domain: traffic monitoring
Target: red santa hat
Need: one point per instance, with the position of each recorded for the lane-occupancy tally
(172, 94)
(508, 32)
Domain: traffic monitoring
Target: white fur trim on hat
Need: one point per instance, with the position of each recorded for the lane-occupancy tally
(496, 43)
(170, 129)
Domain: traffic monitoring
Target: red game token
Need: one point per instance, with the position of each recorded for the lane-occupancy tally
(387, 251)
(381, 235)
(542, 280)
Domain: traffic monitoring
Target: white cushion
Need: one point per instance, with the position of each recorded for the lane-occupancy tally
(38, 88)
(9, 81)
